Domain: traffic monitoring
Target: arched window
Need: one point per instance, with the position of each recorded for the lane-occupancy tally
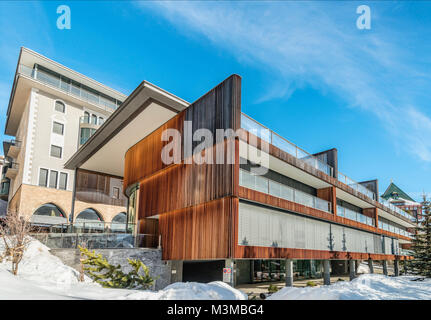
(86, 117)
(89, 221)
(101, 121)
(89, 214)
(50, 210)
(93, 119)
(59, 106)
(120, 218)
(47, 215)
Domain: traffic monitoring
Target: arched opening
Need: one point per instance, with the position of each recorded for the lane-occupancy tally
(119, 223)
(89, 220)
(47, 215)
(59, 106)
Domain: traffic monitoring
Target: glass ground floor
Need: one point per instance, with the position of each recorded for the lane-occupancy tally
(275, 270)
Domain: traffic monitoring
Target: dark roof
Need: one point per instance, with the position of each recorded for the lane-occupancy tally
(394, 189)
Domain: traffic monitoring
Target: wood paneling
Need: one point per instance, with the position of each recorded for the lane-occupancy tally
(251, 252)
(198, 232)
(329, 194)
(272, 201)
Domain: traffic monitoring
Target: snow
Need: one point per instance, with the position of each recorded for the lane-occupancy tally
(365, 287)
(43, 276)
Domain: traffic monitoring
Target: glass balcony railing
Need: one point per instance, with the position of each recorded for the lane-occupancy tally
(394, 229)
(356, 186)
(278, 141)
(265, 185)
(69, 86)
(355, 216)
(396, 209)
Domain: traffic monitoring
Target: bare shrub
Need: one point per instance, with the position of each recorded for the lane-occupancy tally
(14, 232)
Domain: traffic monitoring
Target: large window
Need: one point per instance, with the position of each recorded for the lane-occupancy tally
(56, 151)
(60, 107)
(58, 128)
(53, 175)
(89, 214)
(43, 177)
(86, 133)
(49, 209)
(62, 184)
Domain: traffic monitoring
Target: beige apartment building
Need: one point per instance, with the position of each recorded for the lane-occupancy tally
(52, 111)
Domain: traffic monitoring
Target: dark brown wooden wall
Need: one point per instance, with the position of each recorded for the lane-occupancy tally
(194, 202)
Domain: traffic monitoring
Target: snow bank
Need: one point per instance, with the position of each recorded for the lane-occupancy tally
(42, 275)
(365, 287)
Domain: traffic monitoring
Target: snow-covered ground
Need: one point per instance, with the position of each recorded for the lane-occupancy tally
(365, 287)
(42, 275)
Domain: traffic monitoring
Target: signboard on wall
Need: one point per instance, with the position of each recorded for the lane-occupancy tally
(227, 275)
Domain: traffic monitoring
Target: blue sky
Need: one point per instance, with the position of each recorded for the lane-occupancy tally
(307, 72)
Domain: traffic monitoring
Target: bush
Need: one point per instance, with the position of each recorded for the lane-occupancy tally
(311, 284)
(110, 276)
(272, 288)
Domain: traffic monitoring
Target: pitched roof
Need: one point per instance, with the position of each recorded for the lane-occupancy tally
(392, 188)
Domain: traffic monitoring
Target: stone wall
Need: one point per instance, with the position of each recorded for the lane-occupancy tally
(152, 258)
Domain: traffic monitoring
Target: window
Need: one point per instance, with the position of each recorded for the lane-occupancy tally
(116, 193)
(101, 120)
(86, 117)
(53, 179)
(60, 107)
(55, 151)
(62, 184)
(50, 210)
(43, 177)
(58, 128)
(93, 119)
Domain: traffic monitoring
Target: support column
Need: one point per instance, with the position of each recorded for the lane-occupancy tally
(370, 265)
(396, 268)
(385, 267)
(352, 269)
(326, 273)
(230, 263)
(289, 273)
(405, 267)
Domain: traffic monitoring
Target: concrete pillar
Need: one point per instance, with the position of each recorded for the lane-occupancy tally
(385, 267)
(370, 265)
(352, 269)
(396, 268)
(405, 267)
(230, 263)
(326, 273)
(176, 267)
(289, 273)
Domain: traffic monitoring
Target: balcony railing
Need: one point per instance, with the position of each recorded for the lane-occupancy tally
(394, 229)
(396, 209)
(355, 216)
(356, 186)
(68, 86)
(279, 190)
(268, 135)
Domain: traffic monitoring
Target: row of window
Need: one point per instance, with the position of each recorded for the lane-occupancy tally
(52, 179)
(92, 118)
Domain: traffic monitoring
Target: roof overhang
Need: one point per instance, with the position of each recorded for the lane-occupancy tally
(146, 109)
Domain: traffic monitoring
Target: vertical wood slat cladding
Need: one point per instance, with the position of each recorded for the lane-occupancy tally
(185, 185)
(198, 232)
(329, 194)
(220, 108)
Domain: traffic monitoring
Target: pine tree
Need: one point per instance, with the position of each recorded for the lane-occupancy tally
(421, 244)
(110, 276)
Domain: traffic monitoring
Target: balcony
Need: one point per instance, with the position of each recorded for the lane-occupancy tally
(396, 209)
(355, 216)
(282, 191)
(12, 170)
(391, 228)
(11, 148)
(70, 87)
(87, 127)
(356, 185)
(278, 141)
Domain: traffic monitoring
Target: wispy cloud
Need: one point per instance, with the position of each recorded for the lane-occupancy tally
(318, 44)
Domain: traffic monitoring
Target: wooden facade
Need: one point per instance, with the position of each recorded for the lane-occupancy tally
(197, 205)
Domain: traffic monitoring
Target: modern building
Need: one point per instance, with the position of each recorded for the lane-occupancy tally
(251, 202)
(52, 111)
(398, 198)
